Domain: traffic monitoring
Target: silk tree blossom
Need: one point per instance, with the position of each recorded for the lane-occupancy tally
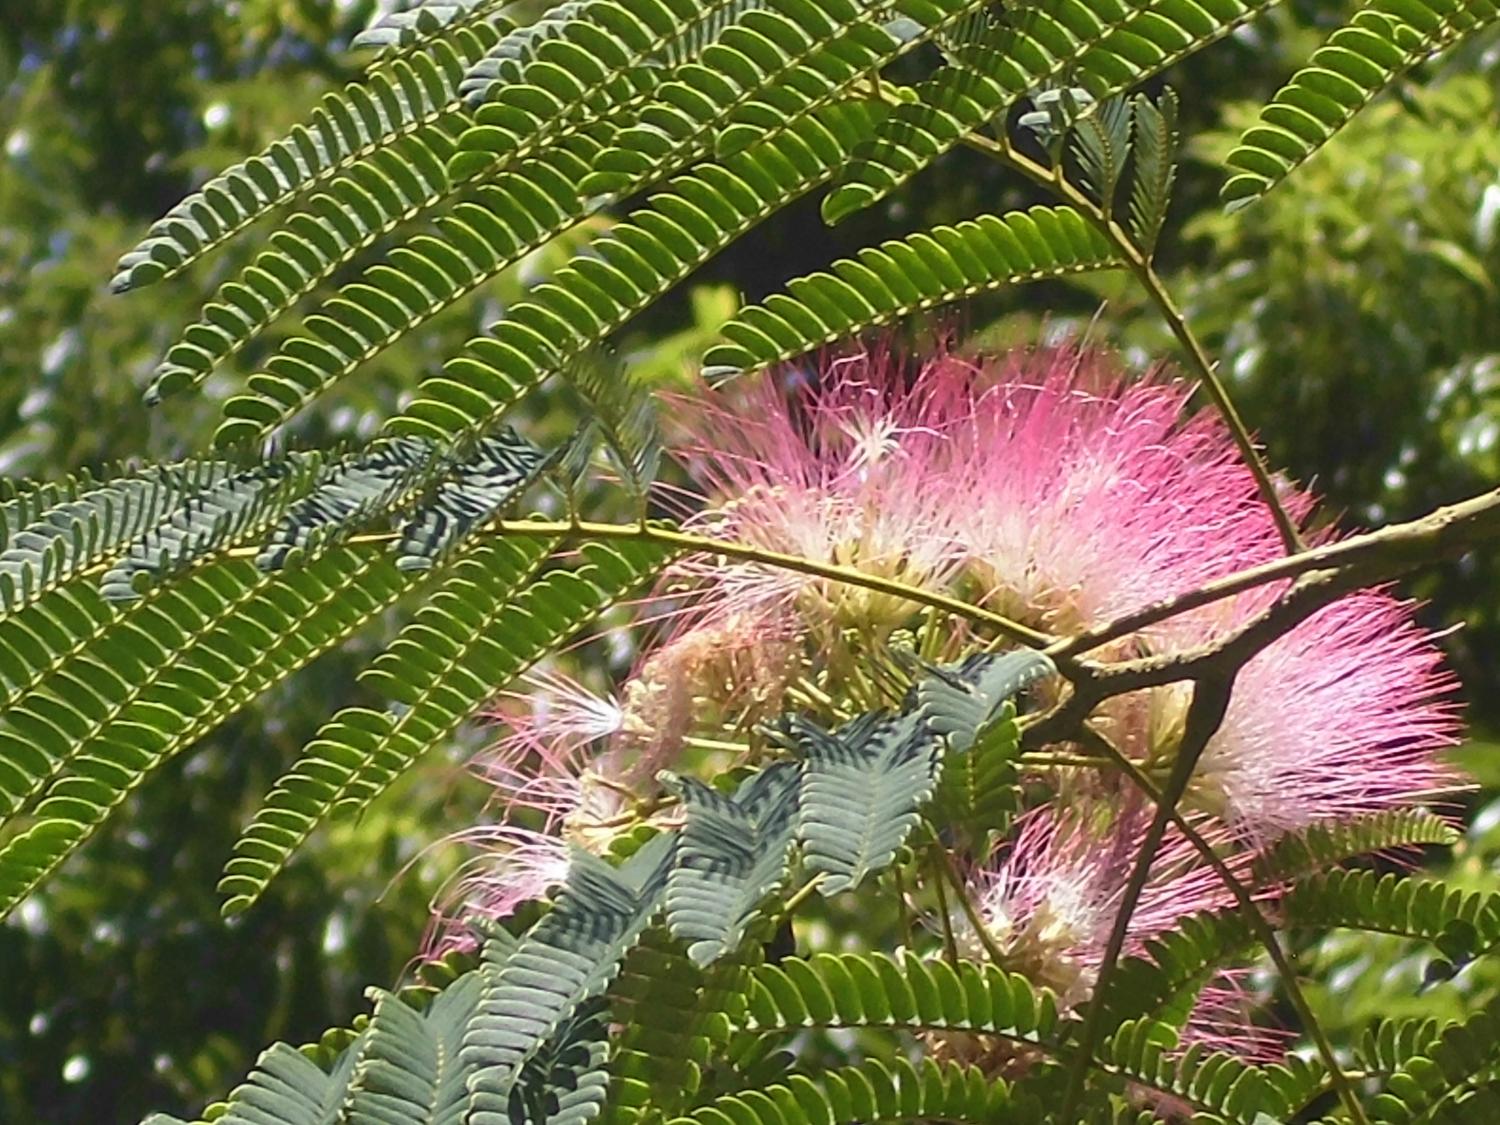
(1051, 488)
(554, 789)
(724, 667)
(1344, 715)
(849, 472)
(1065, 495)
(1088, 496)
(549, 736)
(512, 866)
(1050, 903)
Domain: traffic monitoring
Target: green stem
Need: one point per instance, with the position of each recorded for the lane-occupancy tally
(693, 742)
(700, 544)
(1140, 265)
(942, 896)
(1065, 761)
(976, 922)
(802, 894)
(901, 905)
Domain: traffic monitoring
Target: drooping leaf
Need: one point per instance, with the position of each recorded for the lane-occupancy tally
(622, 418)
(1155, 168)
(222, 512)
(1101, 142)
(731, 853)
(863, 787)
(471, 493)
(566, 960)
(362, 487)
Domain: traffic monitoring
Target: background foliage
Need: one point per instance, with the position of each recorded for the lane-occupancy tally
(1378, 261)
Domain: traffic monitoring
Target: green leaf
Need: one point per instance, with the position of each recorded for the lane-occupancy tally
(494, 227)
(409, 1069)
(1467, 922)
(622, 418)
(1103, 49)
(1327, 844)
(1155, 152)
(863, 787)
(395, 100)
(180, 666)
(567, 1080)
(419, 21)
(731, 853)
(850, 990)
(51, 534)
(675, 1018)
(225, 510)
(1101, 143)
(472, 494)
(869, 1092)
(906, 275)
(1383, 40)
(1213, 1082)
(360, 488)
(479, 629)
(626, 270)
(565, 960)
(1464, 1056)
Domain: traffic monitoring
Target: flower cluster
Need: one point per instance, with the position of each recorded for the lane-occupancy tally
(1045, 486)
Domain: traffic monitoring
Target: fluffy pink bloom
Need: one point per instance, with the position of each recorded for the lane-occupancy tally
(549, 796)
(852, 471)
(551, 735)
(1346, 714)
(1065, 495)
(715, 668)
(1052, 900)
(514, 866)
(1089, 496)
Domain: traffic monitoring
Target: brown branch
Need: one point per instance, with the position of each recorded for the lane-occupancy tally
(1205, 713)
(1384, 554)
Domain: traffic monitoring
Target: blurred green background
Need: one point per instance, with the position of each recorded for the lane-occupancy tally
(1355, 310)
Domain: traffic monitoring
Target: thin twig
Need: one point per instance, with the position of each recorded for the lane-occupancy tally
(976, 921)
(942, 896)
(1205, 712)
(1338, 1079)
(1385, 553)
(701, 544)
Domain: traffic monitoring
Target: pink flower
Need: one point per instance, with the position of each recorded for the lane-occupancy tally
(515, 866)
(1088, 496)
(1052, 900)
(549, 797)
(1051, 904)
(851, 471)
(552, 734)
(1344, 715)
(1064, 495)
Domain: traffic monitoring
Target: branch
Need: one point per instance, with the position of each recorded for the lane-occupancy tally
(1384, 554)
(1338, 1078)
(670, 536)
(1205, 713)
